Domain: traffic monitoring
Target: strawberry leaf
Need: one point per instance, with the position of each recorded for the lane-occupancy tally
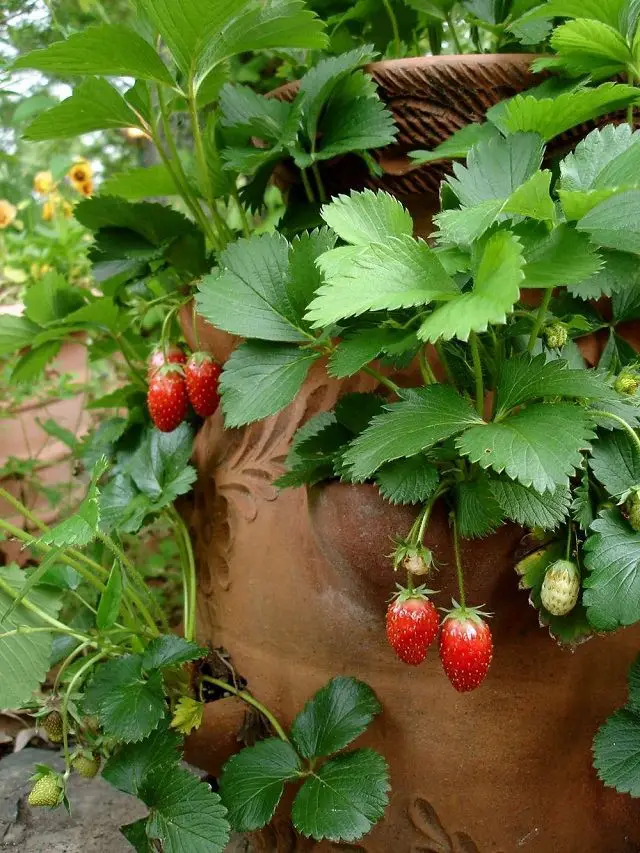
(344, 798)
(252, 782)
(590, 47)
(358, 349)
(160, 468)
(407, 481)
(600, 160)
(560, 258)
(531, 508)
(612, 586)
(616, 751)
(170, 650)
(337, 714)
(366, 217)
(425, 417)
(615, 462)
(539, 446)
(615, 222)
(132, 763)
(620, 273)
(477, 510)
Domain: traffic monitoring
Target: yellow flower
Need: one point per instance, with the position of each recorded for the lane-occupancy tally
(80, 173)
(43, 183)
(86, 187)
(49, 209)
(7, 213)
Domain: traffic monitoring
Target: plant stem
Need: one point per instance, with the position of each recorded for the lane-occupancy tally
(428, 376)
(631, 432)
(394, 27)
(631, 82)
(86, 666)
(249, 699)
(540, 318)
(201, 157)
(196, 333)
(188, 574)
(123, 346)
(445, 362)
(26, 629)
(41, 614)
(66, 663)
(477, 371)
(456, 551)
(318, 179)
(453, 32)
(307, 186)
(246, 227)
(569, 538)
(384, 380)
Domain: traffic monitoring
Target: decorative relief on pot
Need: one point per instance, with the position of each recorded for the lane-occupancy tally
(436, 839)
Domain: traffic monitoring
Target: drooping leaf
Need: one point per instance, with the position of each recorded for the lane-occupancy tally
(314, 451)
(344, 798)
(457, 145)
(16, 333)
(157, 223)
(425, 417)
(407, 481)
(337, 714)
(530, 508)
(51, 299)
(160, 468)
(30, 365)
(261, 378)
(539, 446)
(252, 782)
(612, 585)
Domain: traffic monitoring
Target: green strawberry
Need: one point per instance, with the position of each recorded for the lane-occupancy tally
(555, 335)
(52, 726)
(633, 511)
(86, 766)
(627, 383)
(46, 791)
(560, 587)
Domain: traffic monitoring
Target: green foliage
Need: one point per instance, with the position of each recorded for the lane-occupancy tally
(616, 746)
(615, 462)
(407, 481)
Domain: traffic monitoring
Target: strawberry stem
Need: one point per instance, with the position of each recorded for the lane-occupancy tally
(456, 551)
(569, 537)
(195, 327)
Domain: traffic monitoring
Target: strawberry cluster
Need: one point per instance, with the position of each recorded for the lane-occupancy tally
(175, 381)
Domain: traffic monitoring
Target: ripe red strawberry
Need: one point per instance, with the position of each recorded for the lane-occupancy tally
(174, 355)
(167, 398)
(466, 647)
(201, 374)
(412, 624)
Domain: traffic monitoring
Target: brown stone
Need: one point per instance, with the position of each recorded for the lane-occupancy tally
(293, 585)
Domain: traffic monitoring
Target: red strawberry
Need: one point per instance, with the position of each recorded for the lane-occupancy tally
(412, 624)
(466, 647)
(201, 374)
(167, 399)
(174, 355)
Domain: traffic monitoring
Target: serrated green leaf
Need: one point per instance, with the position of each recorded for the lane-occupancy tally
(560, 258)
(187, 715)
(261, 378)
(51, 299)
(109, 50)
(122, 506)
(530, 508)
(109, 604)
(132, 763)
(620, 273)
(170, 650)
(248, 294)
(309, 462)
(523, 378)
(24, 658)
(366, 217)
(607, 12)
(94, 105)
(532, 198)
(399, 273)
(358, 349)
(582, 510)
(407, 481)
(16, 333)
(425, 417)
(157, 223)
(81, 527)
(304, 276)
(539, 446)
(616, 463)
(30, 365)
(590, 47)
(616, 751)
(185, 814)
(242, 107)
(252, 782)
(140, 183)
(128, 704)
(477, 510)
(160, 468)
(550, 117)
(136, 835)
(338, 713)
(457, 145)
(615, 222)
(463, 226)
(612, 585)
(365, 125)
(496, 289)
(344, 798)
(600, 159)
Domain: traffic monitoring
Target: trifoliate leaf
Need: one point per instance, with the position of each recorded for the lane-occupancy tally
(523, 378)
(549, 117)
(170, 650)
(128, 704)
(399, 273)
(615, 461)
(407, 481)
(344, 798)
(129, 766)
(187, 715)
(616, 751)
(160, 468)
(260, 378)
(477, 510)
(24, 657)
(496, 289)
(615, 222)
(425, 417)
(612, 586)
(252, 782)
(337, 714)
(358, 349)
(530, 508)
(539, 446)
(560, 258)
(366, 217)
(184, 813)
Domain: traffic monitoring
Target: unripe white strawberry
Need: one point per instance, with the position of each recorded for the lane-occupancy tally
(555, 335)
(627, 383)
(633, 511)
(560, 587)
(418, 562)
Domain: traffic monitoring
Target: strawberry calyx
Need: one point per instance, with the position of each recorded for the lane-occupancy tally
(414, 556)
(420, 593)
(201, 357)
(460, 613)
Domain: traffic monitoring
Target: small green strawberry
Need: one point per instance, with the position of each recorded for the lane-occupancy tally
(633, 511)
(627, 383)
(555, 335)
(86, 765)
(47, 791)
(52, 726)
(415, 558)
(560, 587)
